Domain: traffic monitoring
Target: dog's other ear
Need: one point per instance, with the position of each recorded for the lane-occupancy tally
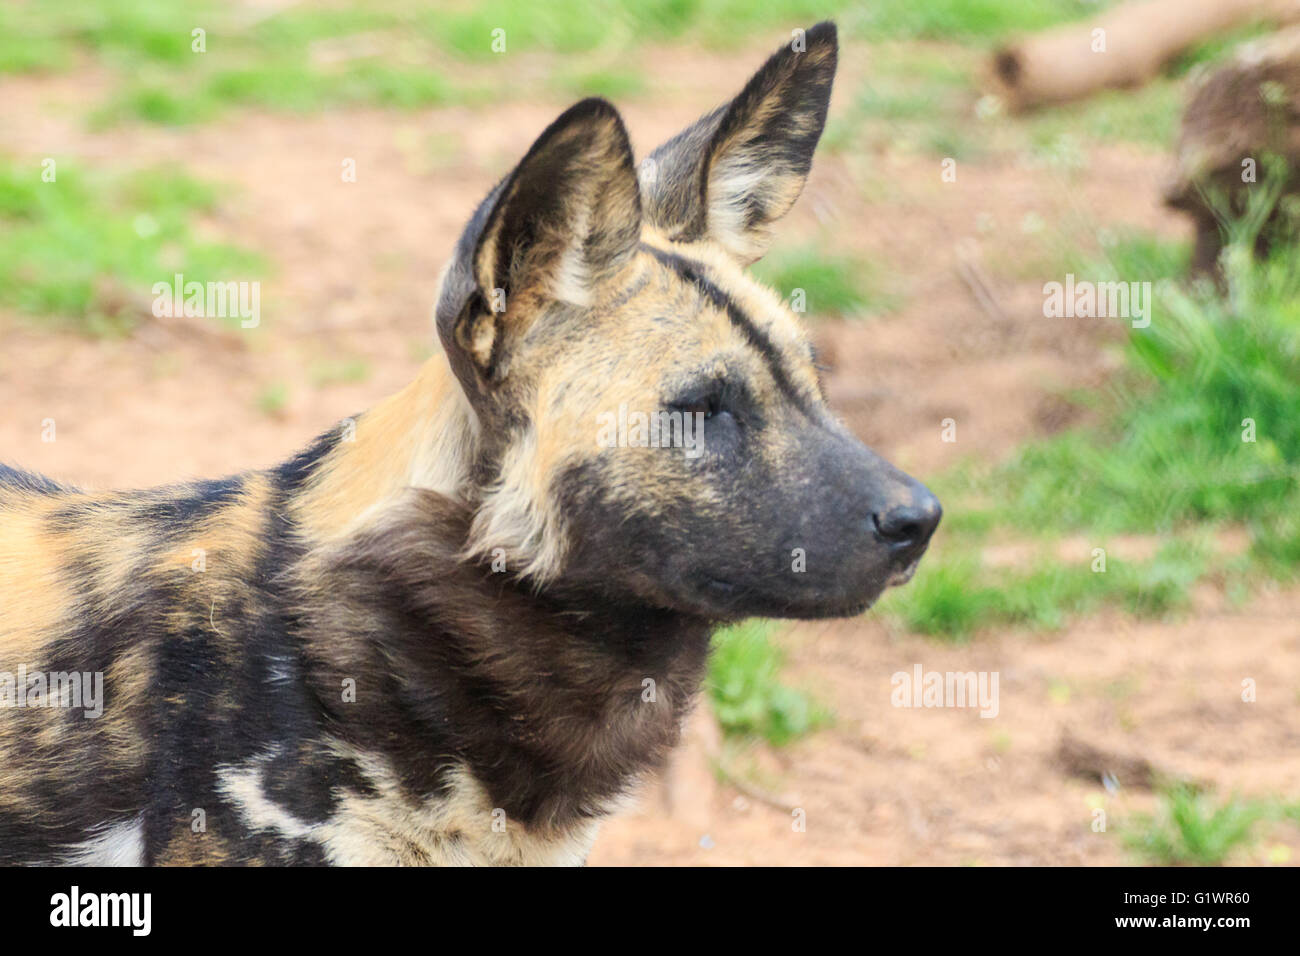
(741, 167)
(567, 218)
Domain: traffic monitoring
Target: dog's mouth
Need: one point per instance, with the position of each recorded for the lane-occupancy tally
(903, 575)
(738, 597)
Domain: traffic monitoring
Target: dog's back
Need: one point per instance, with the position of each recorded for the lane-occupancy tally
(110, 635)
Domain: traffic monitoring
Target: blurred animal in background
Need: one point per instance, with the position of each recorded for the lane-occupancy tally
(1239, 149)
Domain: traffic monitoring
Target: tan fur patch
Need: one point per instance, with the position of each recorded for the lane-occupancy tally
(422, 437)
(36, 596)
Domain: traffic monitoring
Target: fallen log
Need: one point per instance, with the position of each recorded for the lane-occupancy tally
(1123, 47)
(1239, 147)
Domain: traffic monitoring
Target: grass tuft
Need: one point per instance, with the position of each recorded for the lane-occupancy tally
(1190, 829)
(745, 689)
(823, 284)
(1200, 429)
(86, 249)
(408, 54)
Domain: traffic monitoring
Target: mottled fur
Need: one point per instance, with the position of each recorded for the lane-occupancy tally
(458, 629)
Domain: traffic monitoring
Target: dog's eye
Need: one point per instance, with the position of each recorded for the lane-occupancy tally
(707, 404)
(706, 407)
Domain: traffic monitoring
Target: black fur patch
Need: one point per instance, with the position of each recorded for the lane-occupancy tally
(539, 696)
(179, 511)
(693, 273)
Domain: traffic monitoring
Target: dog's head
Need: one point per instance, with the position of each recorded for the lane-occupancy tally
(651, 420)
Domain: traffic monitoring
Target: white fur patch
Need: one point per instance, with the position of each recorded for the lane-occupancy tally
(242, 785)
(731, 183)
(571, 281)
(519, 515)
(120, 845)
(457, 828)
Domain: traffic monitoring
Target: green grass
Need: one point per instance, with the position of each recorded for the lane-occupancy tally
(1191, 829)
(408, 53)
(284, 87)
(1099, 255)
(924, 99)
(613, 83)
(339, 372)
(1148, 116)
(51, 33)
(1173, 450)
(1134, 256)
(977, 20)
(1215, 48)
(825, 284)
(915, 99)
(909, 114)
(273, 399)
(1167, 460)
(152, 33)
(86, 249)
(745, 689)
(1275, 545)
(952, 598)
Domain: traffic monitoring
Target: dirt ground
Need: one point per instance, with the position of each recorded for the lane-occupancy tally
(355, 266)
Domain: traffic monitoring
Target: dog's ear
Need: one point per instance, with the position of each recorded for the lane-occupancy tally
(566, 219)
(741, 167)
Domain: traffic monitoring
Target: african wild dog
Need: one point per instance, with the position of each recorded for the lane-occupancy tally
(324, 662)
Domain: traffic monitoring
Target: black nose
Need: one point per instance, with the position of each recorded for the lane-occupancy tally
(909, 526)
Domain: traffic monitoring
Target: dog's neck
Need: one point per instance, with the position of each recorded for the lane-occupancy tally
(554, 705)
(553, 699)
